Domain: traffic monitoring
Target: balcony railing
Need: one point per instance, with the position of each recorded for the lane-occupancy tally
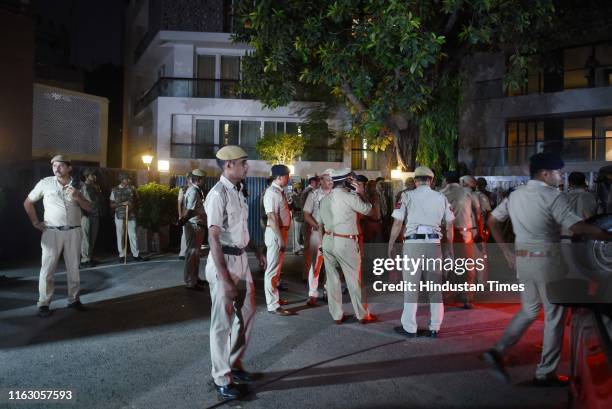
(571, 150)
(190, 88)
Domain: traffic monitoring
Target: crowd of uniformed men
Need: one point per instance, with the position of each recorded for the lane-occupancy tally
(332, 217)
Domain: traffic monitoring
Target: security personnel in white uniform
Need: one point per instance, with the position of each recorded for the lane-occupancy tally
(423, 212)
(339, 224)
(61, 231)
(232, 290)
(193, 220)
(90, 221)
(538, 210)
(313, 256)
(276, 207)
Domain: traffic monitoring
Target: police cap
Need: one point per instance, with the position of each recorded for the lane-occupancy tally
(198, 172)
(340, 174)
(61, 158)
(231, 152)
(421, 171)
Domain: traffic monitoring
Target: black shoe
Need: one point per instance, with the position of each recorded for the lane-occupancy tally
(467, 306)
(552, 381)
(341, 320)
(138, 258)
(44, 312)
(431, 334)
(86, 264)
(181, 258)
(122, 260)
(282, 312)
(400, 330)
(202, 282)
(77, 306)
(241, 375)
(494, 358)
(194, 288)
(228, 391)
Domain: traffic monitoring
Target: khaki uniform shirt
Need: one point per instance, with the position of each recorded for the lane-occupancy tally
(194, 200)
(276, 202)
(313, 202)
(583, 203)
(423, 211)
(339, 211)
(226, 208)
(463, 203)
(91, 192)
(538, 211)
(59, 208)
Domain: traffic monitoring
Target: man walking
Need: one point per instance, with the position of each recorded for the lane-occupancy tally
(423, 212)
(61, 231)
(90, 220)
(232, 290)
(123, 198)
(538, 210)
(276, 237)
(339, 224)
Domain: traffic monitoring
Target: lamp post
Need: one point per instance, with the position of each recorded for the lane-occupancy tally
(147, 160)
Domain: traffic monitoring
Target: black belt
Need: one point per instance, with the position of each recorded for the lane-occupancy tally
(232, 251)
(422, 237)
(198, 224)
(63, 228)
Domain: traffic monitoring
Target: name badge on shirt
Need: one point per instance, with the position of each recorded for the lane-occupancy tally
(424, 230)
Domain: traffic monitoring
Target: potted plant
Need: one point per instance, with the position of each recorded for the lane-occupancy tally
(156, 210)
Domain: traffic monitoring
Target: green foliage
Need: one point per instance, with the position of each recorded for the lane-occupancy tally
(280, 149)
(156, 205)
(387, 60)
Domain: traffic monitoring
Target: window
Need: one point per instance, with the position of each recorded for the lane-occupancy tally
(229, 132)
(206, 76)
(250, 132)
(230, 76)
(205, 138)
(603, 135)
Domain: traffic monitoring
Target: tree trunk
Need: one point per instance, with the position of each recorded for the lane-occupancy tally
(406, 142)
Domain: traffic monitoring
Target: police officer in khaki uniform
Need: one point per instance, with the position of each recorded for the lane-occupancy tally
(61, 231)
(466, 209)
(193, 220)
(423, 212)
(90, 221)
(124, 197)
(582, 202)
(227, 270)
(180, 203)
(339, 224)
(313, 256)
(276, 207)
(538, 210)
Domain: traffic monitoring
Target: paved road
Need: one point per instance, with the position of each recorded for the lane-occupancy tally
(144, 344)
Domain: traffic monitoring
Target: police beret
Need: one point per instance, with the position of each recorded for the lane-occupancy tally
(198, 172)
(576, 179)
(231, 152)
(89, 171)
(423, 171)
(468, 180)
(315, 178)
(545, 161)
(361, 178)
(340, 174)
(124, 175)
(61, 158)
(280, 170)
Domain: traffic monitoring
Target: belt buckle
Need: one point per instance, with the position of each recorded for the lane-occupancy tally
(63, 228)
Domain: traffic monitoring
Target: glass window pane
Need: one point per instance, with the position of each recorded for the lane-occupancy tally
(230, 67)
(522, 133)
(512, 137)
(540, 130)
(603, 131)
(206, 76)
(205, 139)
(228, 132)
(269, 128)
(292, 128)
(280, 127)
(250, 131)
(575, 58)
(603, 54)
(531, 133)
(577, 128)
(533, 83)
(575, 79)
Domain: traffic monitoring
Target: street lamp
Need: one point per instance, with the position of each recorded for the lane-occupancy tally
(147, 160)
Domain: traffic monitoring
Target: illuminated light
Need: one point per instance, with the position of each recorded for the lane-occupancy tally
(396, 173)
(291, 169)
(163, 165)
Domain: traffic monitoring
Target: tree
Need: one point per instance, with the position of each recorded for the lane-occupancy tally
(280, 149)
(395, 63)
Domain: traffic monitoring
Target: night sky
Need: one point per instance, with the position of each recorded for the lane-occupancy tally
(95, 27)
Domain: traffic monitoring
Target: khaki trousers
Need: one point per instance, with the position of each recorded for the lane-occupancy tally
(429, 250)
(89, 232)
(231, 318)
(464, 248)
(535, 273)
(183, 244)
(274, 256)
(344, 253)
(120, 226)
(313, 259)
(194, 236)
(53, 242)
